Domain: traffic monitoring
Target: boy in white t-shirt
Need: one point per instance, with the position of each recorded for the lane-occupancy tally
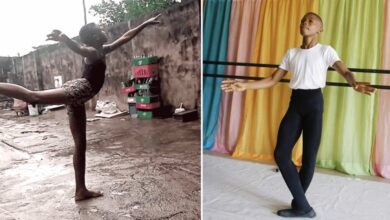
(308, 66)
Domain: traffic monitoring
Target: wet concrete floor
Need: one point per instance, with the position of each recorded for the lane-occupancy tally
(146, 169)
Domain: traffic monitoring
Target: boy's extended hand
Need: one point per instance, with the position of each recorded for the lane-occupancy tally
(364, 87)
(153, 20)
(232, 86)
(54, 35)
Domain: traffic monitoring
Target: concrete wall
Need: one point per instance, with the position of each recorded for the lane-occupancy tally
(10, 71)
(177, 41)
(180, 49)
(5, 67)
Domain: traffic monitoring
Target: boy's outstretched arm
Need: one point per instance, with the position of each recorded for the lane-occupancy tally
(237, 86)
(57, 35)
(361, 87)
(126, 37)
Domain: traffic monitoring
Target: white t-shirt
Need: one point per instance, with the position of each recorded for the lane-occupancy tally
(308, 67)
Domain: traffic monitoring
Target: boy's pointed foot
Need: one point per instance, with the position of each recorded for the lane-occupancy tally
(292, 213)
(86, 194)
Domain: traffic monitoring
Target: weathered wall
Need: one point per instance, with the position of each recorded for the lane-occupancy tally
(11, 72)
(180, 51)
(176, 40)
(5, 68)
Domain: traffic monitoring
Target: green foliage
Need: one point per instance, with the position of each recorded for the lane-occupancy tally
(109, 11)
(112, 12)
(137, 8)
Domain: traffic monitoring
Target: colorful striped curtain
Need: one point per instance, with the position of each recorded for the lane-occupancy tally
(244, 16)
(277, 31)
(382, 142)
(350, 129)
(215, 38)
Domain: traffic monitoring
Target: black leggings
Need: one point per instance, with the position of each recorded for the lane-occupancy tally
(304, 114)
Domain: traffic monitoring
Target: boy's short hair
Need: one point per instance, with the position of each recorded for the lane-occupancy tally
(87, 32)
(316, 15)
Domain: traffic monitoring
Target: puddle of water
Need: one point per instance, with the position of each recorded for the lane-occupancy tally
(38, 169)
(115, 147)
(119, 193)
(9, 155)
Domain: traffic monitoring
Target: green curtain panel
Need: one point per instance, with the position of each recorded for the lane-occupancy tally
(354, 28)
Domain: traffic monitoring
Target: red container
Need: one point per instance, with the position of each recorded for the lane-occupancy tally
(148, 106)
(145, 71)
(128, 90)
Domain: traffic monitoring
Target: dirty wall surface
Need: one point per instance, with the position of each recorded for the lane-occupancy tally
(176, 41)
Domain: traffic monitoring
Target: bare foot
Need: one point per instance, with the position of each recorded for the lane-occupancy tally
(86, 194)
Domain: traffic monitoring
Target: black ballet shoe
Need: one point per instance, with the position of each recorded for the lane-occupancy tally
(292, 213)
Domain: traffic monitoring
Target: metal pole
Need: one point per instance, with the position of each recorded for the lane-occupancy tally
(85, 13)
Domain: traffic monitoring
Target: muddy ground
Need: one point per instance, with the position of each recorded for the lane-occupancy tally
(147, 169)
